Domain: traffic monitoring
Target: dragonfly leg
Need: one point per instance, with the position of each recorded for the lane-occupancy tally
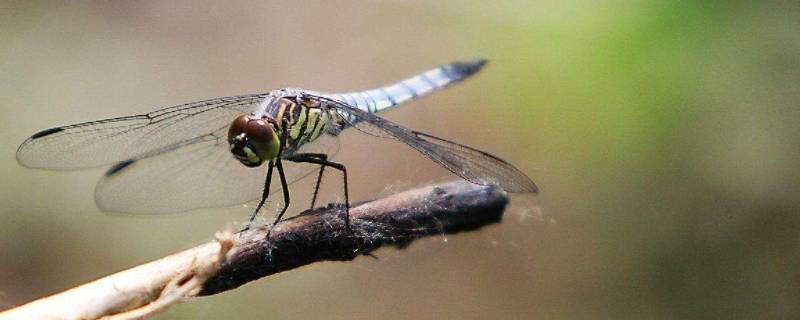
(323, 161)
(279, 165)
(316, 187)
(264, 195)
(323, 157)
(285, 188)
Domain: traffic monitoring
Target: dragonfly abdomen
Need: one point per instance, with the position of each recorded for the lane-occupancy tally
(383, 98)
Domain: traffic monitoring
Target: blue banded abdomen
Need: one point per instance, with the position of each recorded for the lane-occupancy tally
(383, 98)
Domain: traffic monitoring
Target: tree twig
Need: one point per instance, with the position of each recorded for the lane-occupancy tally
(314, 235)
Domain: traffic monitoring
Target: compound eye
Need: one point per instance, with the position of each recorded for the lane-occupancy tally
(259, 131)
(237, 127)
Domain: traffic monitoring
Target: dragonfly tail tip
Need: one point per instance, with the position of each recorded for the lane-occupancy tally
(463, 69)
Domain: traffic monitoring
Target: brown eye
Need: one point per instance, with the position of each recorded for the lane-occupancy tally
(237, 127)
(258, 131)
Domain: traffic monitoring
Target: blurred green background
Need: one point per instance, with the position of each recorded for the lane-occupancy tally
(663, 134)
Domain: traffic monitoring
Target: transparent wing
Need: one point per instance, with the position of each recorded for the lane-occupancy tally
(195, 173)
(468, 163)
(96, 143)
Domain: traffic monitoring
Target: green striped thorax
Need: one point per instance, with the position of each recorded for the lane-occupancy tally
(253, 141)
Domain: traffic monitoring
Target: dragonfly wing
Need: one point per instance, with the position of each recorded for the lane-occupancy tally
(102, 142)
(194, 173)
(468, 163)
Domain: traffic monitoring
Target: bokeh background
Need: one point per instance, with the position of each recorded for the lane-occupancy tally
(663, 134)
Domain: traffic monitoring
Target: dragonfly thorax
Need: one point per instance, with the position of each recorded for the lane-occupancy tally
(252, 140)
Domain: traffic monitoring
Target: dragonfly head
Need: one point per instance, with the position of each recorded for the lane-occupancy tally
(252, 141)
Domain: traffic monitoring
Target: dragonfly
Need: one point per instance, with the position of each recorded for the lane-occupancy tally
(211, 153)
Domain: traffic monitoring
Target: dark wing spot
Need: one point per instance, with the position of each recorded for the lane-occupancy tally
(46, 133)
(119, 167)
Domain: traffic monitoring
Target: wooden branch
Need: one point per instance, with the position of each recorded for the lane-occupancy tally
(233, 260)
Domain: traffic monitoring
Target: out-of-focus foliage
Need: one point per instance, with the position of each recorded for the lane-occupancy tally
(663, 134)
